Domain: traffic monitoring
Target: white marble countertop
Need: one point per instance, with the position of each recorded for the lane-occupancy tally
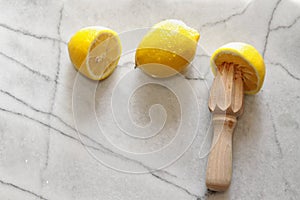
(43, 157)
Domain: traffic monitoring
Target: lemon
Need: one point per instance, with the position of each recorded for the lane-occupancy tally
(95, 51)
(246, 59)
(167, 48)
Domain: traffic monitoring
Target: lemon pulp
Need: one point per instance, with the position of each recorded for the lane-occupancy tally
(246, 59)
(95, 51)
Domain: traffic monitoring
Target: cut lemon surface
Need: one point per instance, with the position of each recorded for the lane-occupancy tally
(167, 48)
(95, 51)
(246, 59)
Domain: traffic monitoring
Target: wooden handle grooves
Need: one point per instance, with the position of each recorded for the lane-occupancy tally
(219, 167)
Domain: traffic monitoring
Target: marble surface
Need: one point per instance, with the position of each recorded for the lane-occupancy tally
(50, 146)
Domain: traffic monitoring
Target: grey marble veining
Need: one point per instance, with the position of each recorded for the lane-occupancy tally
(43, 156)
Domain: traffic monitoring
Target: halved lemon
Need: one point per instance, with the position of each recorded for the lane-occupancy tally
(167, 48)
(246, 59)
(95, 51)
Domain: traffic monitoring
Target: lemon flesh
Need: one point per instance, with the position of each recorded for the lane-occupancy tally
(167, 48)
(246, 59)
(95, 51)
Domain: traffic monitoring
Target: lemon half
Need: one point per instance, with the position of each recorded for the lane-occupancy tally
(95, 51)
(247, 59)
(167, 48)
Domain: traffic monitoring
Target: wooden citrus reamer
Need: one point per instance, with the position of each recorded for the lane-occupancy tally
(226, 104)
(238, 69)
